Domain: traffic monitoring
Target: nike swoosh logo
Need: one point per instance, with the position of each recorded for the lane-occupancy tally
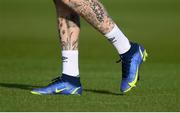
(60, 90)
(133, 83)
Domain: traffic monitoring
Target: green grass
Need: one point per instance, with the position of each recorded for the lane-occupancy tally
(30, 57)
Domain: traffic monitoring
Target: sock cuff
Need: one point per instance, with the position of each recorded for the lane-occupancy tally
(112, 32)
(70, 62)
(64, 52)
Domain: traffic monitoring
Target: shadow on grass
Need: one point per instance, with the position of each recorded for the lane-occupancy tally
(18, 86)
(105, 92)
(30, 87)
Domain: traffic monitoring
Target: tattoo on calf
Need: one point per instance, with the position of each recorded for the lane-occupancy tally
(75, 45)
(69, 44)
(94, 12)
(97, 9)
(73, 20)
(68, 26)
(83, 6)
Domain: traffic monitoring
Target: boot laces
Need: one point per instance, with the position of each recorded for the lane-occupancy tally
(55, 80)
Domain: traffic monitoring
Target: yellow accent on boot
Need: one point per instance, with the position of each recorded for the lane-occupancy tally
(35, 93)
(145, 55)
(58, 91)
(133, 83)
(73, 92)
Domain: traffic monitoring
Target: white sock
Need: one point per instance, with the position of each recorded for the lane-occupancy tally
(119, 40)
(70, 63)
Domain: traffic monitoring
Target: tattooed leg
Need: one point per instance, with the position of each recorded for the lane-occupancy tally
(94, 12)
(69, 29)
(68, 26)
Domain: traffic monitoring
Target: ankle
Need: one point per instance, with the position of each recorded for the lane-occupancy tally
(73, 80)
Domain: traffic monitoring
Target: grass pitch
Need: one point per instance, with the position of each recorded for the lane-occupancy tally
(30, 58)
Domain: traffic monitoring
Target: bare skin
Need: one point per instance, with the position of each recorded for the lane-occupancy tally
(68, 12)
(93, 12)
(68, 26)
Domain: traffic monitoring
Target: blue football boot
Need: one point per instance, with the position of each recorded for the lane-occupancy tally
(131, 62)
(65, 84)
